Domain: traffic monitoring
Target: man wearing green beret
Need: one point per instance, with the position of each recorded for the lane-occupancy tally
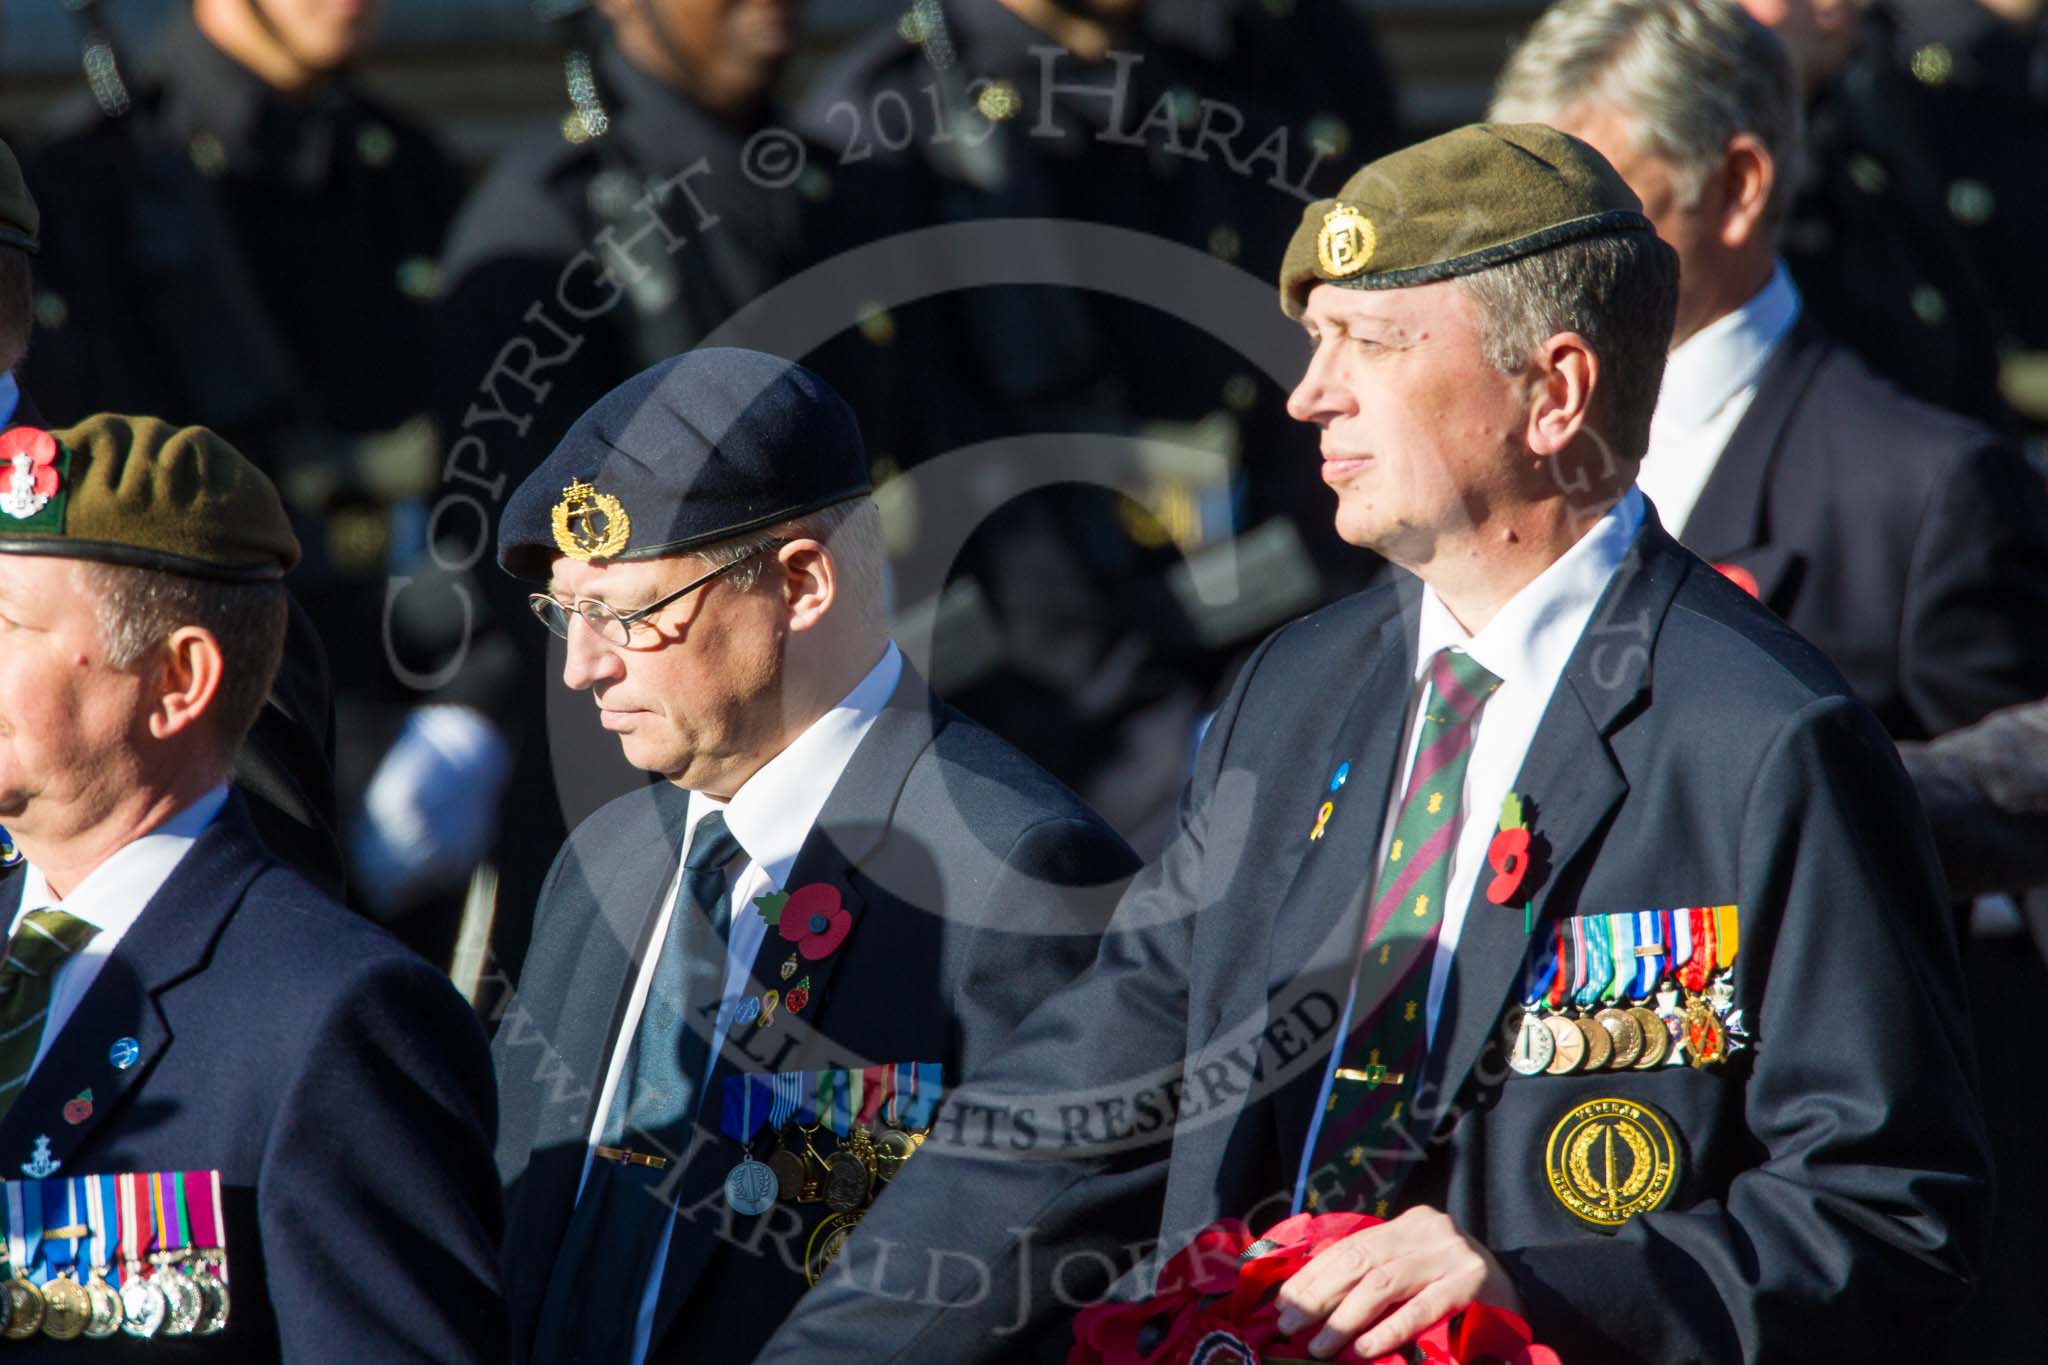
(306, 1105)
(1550, 904)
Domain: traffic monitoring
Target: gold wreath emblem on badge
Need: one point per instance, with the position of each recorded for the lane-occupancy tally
(1609, 1159)
(1345, 245)
(590, 524)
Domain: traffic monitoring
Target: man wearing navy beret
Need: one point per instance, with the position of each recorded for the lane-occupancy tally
(751, 981)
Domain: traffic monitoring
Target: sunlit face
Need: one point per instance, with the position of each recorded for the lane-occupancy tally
(319, 35)
(1419, 430)
(696, 695)
(70, 724)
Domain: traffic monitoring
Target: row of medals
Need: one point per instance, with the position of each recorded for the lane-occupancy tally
(174, 1302)
(845, 1182)
(1624, 1037)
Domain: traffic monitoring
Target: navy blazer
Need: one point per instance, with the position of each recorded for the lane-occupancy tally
(338, 1083)
(978, 885)
(1830, 1180)
(1909, 543)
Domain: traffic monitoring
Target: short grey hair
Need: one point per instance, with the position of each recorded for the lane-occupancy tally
(1691, 74)
(850, 530)
(1619, 292)
(135, 610)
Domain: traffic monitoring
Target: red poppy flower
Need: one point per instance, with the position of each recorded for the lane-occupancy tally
(1508, 855)
(1163, 1329)
(814, 920)
(797, 998)
(1741, 578)
(1483, 1332)
(40, 448)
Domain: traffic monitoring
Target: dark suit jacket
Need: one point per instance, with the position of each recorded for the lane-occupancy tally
(978, 886)
(1831, 1179)
(1910, 544)
(338, 1084)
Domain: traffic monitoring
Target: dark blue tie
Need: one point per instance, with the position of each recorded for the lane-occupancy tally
(608, 1251)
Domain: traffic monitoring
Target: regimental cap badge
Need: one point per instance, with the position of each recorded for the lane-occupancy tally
(34, 476)
(1346, 243)
(589, 524)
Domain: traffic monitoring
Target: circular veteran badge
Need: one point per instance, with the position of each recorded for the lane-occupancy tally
(1610, 1159)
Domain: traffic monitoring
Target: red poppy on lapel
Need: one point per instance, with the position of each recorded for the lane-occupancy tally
(814, 919)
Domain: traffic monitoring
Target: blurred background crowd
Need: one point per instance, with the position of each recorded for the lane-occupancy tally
(392, 248)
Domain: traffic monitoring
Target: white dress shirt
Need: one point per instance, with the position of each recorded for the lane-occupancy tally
(771, 816)
(1709, 383)
(113, 897)
(1526, 645)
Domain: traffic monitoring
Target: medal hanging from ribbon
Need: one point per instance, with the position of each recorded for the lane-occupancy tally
(1621, 946)
(788, 1091)
(874, 1091)
(1596, 958)
(186, 1304)
(904, 1087)
(925, 1097)
(1561, 980)
(750, 1186)
(24, 1238)
(98, 1201)
(1533, 1048)
(68, 1308)
(142, 1300)
(209, 1235)
(1726, 937)
(1705, 1042)
(1678, 924)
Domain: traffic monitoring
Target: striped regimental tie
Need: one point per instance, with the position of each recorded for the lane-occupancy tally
(1359, 1150)
(40, 946)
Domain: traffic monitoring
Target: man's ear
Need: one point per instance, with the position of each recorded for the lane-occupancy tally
(1562, 376)
(810, 582)
(188, 675)
(1743, 190)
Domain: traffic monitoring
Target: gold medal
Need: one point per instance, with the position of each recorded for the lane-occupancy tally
(813, 1190)
(67, 1308)
(1705, 1043)
(892, 1149)
(1569, 1045)
(1626, 1035)
(1656, 1042)
(826, 1240)
(1599, 1047)
(24, 1309)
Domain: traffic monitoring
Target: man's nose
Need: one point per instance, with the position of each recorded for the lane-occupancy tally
(587, 659)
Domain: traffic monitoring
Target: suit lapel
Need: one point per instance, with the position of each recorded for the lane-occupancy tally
(853, 823)
(1573, 783)
(1311, 949)
(1730, 521)
(117, 1033)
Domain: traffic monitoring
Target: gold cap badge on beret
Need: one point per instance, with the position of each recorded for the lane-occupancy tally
(589, 524)
(1345, 245)
(1468, 200)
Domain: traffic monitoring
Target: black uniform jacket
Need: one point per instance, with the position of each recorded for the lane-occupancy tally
(1829, 1180)
(977, 885)
(337, 1083)
(1910, 544)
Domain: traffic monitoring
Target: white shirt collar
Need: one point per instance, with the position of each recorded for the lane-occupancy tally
(114, 894)
(1529, 641)
(10, 396)
(772, 813)
(1723, 358)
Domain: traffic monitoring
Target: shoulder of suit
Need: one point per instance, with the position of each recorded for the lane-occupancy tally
(1879, 425)
(1722, 659)
(995, 785)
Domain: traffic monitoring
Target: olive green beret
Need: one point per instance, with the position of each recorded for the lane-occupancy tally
(19, 220)
(1473, 198)
(139, 491)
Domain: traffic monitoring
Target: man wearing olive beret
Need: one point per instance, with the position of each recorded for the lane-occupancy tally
(315, 1101)
(1550, 902)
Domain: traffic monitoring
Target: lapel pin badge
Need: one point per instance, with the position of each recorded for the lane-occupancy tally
(124, 1053)
(78, 1108)
(40, 1165)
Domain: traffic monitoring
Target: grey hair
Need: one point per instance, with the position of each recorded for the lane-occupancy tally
(135, 610)
(1619, 292)
(1691, 74)
(850, 530)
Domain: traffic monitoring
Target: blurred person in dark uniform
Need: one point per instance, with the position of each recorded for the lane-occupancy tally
(285, 768)
(1916, 232)
(1197, 124)
(246, 239)
(589, 252)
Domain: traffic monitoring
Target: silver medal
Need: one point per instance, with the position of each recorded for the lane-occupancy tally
(750, 1187)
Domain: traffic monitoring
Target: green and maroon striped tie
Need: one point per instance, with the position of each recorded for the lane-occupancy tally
(1382, 1057)
(44, 941)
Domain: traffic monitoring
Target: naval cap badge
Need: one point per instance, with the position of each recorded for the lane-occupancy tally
(1346, 243)
(589, 524)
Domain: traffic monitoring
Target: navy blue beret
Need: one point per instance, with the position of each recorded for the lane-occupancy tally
(704, 446)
